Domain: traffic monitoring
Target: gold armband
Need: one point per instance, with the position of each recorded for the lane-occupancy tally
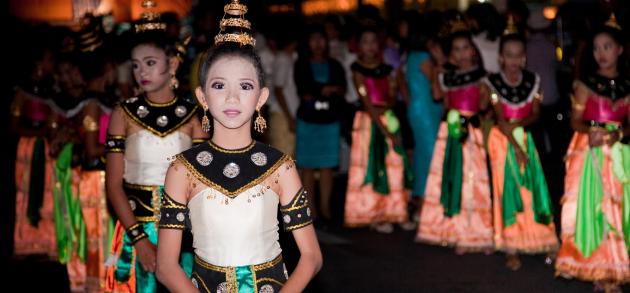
(362, 90)
(576, 105)
(494, 98)
(16, 111)
(90, 124)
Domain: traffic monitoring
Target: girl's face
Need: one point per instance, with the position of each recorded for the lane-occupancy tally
(462, 52)
(152, 69)
(69, 76)
(232, 92)
(368, 45)
(317, 44)
(606, 51)
(513, 56)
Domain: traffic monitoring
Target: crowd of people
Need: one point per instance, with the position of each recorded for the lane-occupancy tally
(145, 156)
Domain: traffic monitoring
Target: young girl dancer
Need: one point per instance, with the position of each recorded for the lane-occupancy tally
(523, 220)
(457, 210)
(378, 178)
(228, 190)
(143, 133)
(595, 217)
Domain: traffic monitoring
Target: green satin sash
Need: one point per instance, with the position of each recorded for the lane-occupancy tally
(70, 227)
(452, 167)
(245, 279)
(620, 154)
(533, 178)
(145, 281)
(376, 170)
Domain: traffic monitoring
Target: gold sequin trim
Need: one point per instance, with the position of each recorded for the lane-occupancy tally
(269, 280)
(237, 151)
(146, 219)
(111, 136)
(258, 267)
(298, 226)
(294, 202)
(141, 187)
(200, 279)
(154, 104)
(90, 124)
(171, 203)
(219, 188)
(171, 226)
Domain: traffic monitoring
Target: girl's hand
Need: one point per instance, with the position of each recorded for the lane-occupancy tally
(521, 157)
(596, 137)
(146, 254)
(506, 128)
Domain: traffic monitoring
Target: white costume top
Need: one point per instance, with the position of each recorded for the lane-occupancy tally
(146, 156)
(242, 232)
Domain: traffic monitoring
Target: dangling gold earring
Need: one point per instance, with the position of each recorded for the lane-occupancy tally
(205, 122)
(174, 82)
(260, 124)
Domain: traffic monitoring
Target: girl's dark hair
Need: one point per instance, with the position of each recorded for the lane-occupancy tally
(305, 49)
(157, 38)
(368, 29)
(230, 50)
(447, 44)
(589, 64)
(511, 38)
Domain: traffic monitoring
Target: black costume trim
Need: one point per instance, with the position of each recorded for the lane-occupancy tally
(453, 79)
(296, 214)
(519, 94)
(160, 119)
(382, 70)
(252, 165)
(115, 144)
(173, 215)
(613, 88)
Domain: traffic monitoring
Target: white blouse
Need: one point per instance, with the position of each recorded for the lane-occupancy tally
(146, 156)
(235, 231)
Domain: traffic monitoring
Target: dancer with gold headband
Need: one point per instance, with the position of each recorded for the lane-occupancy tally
(457, 208)
(379, 177)
(596, 203)
(523, 219)
(145, 131)
(229, 189)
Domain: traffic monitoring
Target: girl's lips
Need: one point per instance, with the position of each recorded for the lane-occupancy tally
(145, 82)
(231, 113)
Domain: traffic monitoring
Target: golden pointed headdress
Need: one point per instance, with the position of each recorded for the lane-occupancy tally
(149, 19)
(90, 36)
(612, 22)
(510, 28)
(458, 25)
(234, 27)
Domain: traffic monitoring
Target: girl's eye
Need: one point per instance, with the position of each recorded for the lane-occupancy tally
(247, 86)
(134, 66)
(151, 62)
(217, 86)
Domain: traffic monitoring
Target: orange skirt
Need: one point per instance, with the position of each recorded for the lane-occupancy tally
(526, 235)
(471, 229)
(364, 206)
(609, 262)
(89, 276)
(29, 239)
